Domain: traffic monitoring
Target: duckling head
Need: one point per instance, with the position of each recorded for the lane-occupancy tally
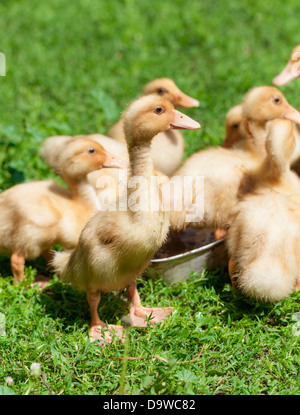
(150, 115)
(82, 156)
(266, 103)
(234, 127)
(167, 88)
(291, 70)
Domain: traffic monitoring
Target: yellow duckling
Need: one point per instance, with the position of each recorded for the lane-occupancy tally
(108, 183)
(38, 215)
(236, 134)
(264, 238)
(52, 147)
(115, 247)
(167, 148)
(223, 169)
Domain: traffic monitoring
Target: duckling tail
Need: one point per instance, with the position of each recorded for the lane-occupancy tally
(266, 283)
(59, 262)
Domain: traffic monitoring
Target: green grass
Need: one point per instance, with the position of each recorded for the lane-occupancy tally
(71, 69)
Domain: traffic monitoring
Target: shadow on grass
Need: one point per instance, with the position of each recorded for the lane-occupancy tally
(236, 304)
(63, 301)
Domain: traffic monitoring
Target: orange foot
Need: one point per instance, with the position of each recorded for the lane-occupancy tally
(220, 233)
(106, 334)
(142, 316)
(41, 281)
(297, 286)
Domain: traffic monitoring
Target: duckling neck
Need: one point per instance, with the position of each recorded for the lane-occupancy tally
(140, 160)
(275, 170)
(256, 138)
(276, 165)
(83, 191)
(144, 190)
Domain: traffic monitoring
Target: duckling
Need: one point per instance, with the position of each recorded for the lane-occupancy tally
(236, 135)
(108, 183)
(115, 247)
(223, 168)
(234, 126)
(288, 74)
(52, 146)
(37, 215)
(291, 70)
(168, 147)
(263, 241)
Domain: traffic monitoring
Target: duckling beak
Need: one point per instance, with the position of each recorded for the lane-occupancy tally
(112, 161)
(289, 73)
(182, 121)
(293, 115)
(186, 101)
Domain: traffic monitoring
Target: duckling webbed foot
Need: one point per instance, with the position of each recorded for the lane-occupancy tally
(141, 316)
(105, 334)
(41, 281)
(98, 329)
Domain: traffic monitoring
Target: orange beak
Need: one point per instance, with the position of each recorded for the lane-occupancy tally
(182, 121)
(185, 101)
(292, 114)
(113, 161)
(290, 72)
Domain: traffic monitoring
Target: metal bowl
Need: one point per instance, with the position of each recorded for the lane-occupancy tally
(178, 267)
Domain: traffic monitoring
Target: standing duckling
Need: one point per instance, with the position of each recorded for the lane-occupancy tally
(167, 148)
(38, 215)
(223, 169)
(115, 247)
(264, 238)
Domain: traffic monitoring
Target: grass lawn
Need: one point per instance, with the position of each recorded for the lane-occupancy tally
(71, 67)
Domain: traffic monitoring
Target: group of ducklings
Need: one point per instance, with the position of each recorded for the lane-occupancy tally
(251, 196)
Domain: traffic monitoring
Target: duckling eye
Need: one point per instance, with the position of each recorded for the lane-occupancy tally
(92, 150)
(159, 110)
(235, 125)
(277, 100)
(161, 91)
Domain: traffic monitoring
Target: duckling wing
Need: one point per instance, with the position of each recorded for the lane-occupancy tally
(31, 203)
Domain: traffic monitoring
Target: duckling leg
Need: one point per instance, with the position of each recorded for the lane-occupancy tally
(40, 279)
(139, 315)
(17, 262)
(96, 324)
(231, 267)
